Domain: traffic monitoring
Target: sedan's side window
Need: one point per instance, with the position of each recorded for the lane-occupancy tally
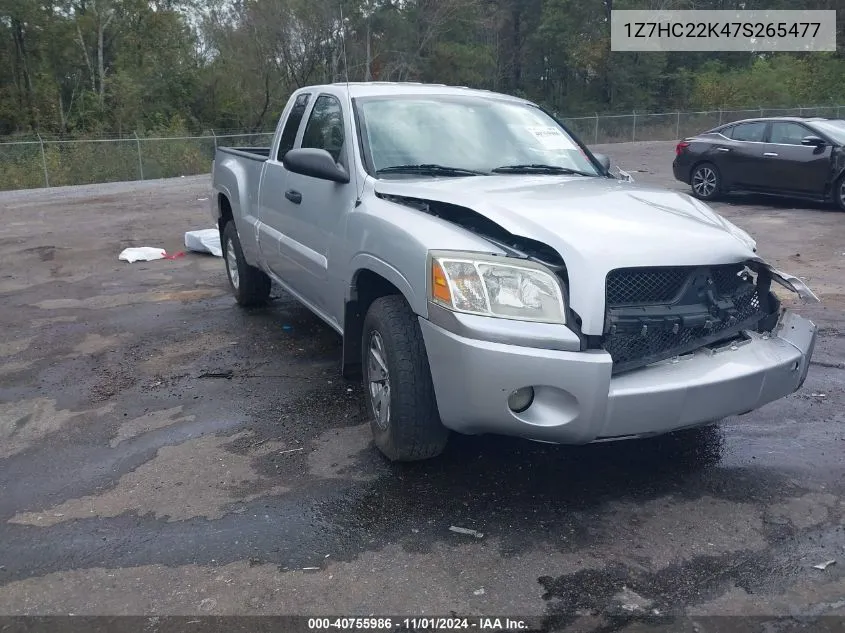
(751, 132)
(292, 125)
(788, 133)
(325, 127)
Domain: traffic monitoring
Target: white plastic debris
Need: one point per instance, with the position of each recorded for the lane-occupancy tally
(462, 530)
(141, 254)
(204, 241)
(824, 565)
(478, 592)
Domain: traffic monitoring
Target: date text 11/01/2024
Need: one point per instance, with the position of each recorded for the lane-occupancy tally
(418, 624)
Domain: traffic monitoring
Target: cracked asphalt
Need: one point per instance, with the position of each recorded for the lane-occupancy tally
(165, 452)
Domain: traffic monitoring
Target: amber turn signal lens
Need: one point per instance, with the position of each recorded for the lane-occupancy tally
(439, 284)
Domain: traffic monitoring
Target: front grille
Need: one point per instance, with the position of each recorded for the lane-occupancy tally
(645, 285)
(657, 313)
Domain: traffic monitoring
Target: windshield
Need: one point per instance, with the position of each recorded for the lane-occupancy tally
(467, 133)
(835, 129)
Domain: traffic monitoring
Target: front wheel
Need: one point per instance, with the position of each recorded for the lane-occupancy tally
(249, 285)
(398, 389)
(705, 181)
(839, 192)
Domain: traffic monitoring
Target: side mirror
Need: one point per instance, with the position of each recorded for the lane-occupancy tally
(813, 141)
(317, 163)
(604, 161)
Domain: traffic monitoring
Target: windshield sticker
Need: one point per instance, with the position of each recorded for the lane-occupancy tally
(551, 138)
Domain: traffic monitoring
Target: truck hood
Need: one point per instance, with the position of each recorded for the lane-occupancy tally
(595, 224)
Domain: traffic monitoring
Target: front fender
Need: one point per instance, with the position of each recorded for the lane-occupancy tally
(791, 282)
(368, 261)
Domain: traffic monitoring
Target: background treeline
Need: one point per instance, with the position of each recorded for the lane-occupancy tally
(88, 68)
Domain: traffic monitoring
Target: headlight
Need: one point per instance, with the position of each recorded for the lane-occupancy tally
(495, 286)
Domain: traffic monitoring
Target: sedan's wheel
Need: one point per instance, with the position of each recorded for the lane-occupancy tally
(705, 181)
(249, 285)
(840, 193)
(398, 390)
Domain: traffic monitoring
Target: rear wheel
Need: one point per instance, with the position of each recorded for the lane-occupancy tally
(839, 192)
(705, 181)
(398, 389)
(249, 285)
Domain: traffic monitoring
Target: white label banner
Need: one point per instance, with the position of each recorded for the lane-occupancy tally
(698, 30)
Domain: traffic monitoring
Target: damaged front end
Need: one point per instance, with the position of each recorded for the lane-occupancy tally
(657, 313)
(651, 313)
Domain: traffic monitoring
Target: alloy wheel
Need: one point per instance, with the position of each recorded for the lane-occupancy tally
(378, 379)
(704, 182)
(232, 264)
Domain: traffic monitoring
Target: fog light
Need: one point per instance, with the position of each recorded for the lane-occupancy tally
(521, 399)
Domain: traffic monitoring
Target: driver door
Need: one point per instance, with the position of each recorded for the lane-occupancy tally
(313, 210)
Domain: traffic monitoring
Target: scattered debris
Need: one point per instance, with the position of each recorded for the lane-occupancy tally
(141, 254)
(478, 592)
(208, 604)
(204, 241)
(310, 568)
(291, 450)
(819, 395)
(824, 565)
(201, 199)
(415, 530)
(227, 373)
(469, 532)
(253, 561)
(146, 254)
(631, 601)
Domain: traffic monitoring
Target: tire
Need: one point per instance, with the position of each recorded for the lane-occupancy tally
(250, 286)
(706, 182)
(404, 421)
(839, 193)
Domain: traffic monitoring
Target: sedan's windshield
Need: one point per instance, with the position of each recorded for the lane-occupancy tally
(472, 134)
(834, 128)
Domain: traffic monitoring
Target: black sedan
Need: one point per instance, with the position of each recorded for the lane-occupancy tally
(788, 156)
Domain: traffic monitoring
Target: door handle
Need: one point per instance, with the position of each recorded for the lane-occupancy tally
(293, 196)
(722, 149)
(770, 154)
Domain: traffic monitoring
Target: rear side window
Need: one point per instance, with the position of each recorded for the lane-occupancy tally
(292, 125)
(752, 132)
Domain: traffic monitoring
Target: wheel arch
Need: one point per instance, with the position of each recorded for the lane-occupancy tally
(368, 283)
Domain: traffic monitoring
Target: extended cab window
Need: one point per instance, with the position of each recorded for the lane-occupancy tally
(292, 125)
(325, 127)
(752, 132)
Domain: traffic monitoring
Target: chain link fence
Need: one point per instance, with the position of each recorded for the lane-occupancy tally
(53, 163)
(50, 163)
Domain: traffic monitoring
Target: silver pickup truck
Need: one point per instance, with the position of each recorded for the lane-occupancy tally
(488, 273)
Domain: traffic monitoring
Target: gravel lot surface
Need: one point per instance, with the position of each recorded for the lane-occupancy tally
(162, 451)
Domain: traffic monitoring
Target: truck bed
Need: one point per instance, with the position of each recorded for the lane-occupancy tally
(252, 153)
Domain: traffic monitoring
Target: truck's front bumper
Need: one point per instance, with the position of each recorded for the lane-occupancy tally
(576, 400)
